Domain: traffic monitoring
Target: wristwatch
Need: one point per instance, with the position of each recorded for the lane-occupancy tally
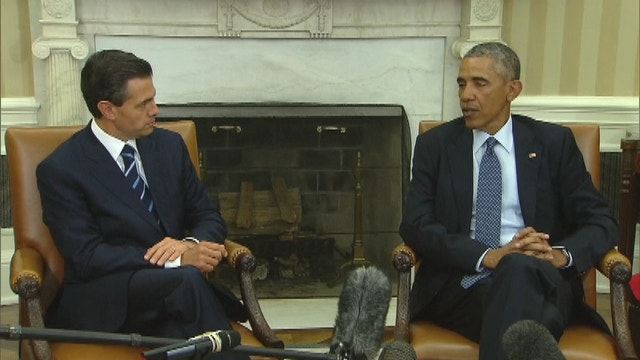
(565, 253)
(191, 238)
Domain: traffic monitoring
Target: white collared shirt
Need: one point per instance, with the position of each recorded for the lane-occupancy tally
(114, 146)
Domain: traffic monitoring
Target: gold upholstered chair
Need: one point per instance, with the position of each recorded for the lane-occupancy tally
(578, 341)
(37, 266)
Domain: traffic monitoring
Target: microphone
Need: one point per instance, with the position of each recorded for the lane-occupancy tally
(529, 340)
(210, 342)
(397, 350)
(362, 311)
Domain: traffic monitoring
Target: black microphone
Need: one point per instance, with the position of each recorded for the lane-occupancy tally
(397, 350)
(210, 342)
(362, 311)
(529, 340)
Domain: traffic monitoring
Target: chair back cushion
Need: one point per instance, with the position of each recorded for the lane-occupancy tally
(588, 140)
(26, 148)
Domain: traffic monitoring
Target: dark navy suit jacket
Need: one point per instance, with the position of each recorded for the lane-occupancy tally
(555, 191)
(102, 229)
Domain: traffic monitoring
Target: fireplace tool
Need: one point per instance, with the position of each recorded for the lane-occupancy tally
(358, 259)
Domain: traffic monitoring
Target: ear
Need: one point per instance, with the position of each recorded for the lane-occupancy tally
(515, 88)
(106, 108)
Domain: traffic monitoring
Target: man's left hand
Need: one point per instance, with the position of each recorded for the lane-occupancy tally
(168, 249)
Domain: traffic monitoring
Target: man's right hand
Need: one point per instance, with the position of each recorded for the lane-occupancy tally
(205, 255)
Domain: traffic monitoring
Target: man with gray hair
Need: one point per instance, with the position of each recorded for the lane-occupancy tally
(504, 213)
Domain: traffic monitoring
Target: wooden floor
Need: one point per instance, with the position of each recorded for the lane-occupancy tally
(292, 338)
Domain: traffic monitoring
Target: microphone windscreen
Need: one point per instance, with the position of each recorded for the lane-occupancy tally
(362, 312)
(228, 339)
(530, 340)
(398, 350)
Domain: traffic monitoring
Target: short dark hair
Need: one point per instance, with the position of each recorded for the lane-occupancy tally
(505, 59)
(105, 76)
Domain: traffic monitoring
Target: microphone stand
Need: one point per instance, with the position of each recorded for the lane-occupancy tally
(82, 337)
(137, 340)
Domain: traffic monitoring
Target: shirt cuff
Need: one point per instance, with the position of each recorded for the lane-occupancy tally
(173, 264)
(479, 266)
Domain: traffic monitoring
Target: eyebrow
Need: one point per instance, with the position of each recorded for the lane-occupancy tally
(473, 78)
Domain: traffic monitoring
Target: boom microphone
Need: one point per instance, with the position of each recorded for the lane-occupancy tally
(196, 347)
(362, 311)
(529, 340)
(397, 350)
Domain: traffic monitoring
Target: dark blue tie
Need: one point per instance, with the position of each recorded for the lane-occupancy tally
(137, 184)
(488, 206)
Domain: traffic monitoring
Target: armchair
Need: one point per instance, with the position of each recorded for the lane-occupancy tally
(578, 341)
(37, 266)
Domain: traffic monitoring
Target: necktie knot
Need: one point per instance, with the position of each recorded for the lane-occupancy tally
(491, 142)
(128, 150)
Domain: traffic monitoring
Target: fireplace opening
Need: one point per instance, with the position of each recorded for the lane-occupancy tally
(313, 190)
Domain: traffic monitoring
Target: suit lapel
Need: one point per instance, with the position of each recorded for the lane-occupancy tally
(528, 155)
(108, 174)
(458, 152)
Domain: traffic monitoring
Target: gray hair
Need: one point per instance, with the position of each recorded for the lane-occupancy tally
(506, 61)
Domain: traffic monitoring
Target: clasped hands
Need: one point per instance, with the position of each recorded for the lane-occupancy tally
(205, 255)
(529, 242)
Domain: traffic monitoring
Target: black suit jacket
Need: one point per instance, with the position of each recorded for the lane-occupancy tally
(555, 191)
(103, 230)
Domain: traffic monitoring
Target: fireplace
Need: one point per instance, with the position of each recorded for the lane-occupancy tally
(313, 190)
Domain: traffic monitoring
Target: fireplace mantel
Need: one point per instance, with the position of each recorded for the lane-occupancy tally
(71, 29)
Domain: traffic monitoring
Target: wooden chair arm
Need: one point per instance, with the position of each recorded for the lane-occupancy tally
(26, 272)
(26, 278)
(617, 268)
(608, 266)
(404, 259)
(242, 260)
(239, 256)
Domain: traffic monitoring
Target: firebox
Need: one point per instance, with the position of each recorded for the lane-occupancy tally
(313, 190)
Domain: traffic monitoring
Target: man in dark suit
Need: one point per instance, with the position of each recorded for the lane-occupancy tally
(136, 228)
(551, 223)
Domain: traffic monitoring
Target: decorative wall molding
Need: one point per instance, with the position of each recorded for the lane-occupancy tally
(272, 19)
(618, 117)
(61, 48)
(21, 111)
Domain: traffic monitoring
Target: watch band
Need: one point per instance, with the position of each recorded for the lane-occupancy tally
(191, 238)
(565, 253)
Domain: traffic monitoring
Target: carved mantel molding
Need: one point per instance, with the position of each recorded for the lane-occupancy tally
(77, 48)
(481, 22)
(313, 17)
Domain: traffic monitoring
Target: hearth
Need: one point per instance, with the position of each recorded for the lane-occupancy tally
(313, 190)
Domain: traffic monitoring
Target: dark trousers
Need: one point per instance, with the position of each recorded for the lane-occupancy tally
(176, 303)
(521, 287)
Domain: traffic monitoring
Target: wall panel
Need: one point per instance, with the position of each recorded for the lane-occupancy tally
(575, 47)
